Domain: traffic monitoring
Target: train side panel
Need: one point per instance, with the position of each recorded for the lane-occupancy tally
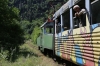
(38, 41)
(83, 47)
(47, 41)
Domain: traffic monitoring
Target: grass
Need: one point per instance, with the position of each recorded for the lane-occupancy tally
(29, 55)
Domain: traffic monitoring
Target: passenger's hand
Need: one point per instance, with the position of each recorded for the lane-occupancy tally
(76, 14)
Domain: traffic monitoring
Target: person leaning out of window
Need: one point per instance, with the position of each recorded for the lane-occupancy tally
(80, 14)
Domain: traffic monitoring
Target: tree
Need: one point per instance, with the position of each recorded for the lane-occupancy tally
(11, 34)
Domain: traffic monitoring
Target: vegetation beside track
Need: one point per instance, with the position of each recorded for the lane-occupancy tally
(29, 55)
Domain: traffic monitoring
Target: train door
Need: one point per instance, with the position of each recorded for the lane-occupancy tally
(43, 29)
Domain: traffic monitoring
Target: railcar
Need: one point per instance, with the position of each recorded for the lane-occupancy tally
(46, 38)
(72, 42)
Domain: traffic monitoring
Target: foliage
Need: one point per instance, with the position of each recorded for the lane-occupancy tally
(27, 56)
(34, 12)
(32, 9)
(11, 34)
(35, 34)
(27, 27)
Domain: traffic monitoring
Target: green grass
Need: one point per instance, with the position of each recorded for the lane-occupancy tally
(28, 56)
(32, 61)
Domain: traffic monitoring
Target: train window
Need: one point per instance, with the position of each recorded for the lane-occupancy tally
(79, 13)
(66, 20)
(48, 28)
(95, 11)
(58, 25)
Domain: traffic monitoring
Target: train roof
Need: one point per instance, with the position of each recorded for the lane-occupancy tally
(47, 24)
(43, 24)
(64, 8)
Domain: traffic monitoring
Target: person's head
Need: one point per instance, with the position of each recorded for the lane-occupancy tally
(76, 8)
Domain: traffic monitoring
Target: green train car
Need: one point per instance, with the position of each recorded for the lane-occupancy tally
(45, 39)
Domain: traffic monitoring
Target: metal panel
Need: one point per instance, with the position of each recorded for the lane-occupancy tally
(65, 6)
(38, 41)
(75, 1)
(47, 41)
(43, 24)
(61, 10)
(57, 13)
(54, 17)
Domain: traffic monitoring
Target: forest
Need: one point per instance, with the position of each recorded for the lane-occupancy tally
(20, 20)
(33, 13)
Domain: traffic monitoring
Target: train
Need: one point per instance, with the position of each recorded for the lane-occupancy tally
(65, 38)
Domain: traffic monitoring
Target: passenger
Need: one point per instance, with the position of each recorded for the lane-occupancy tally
(80, 14)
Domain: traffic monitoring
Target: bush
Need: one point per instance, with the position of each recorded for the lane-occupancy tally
(35, 34)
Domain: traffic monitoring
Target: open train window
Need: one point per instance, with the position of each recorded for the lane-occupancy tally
(79, 21)
(48, 30)
(58, 25)
(66, 20)
(95, 11)
(47, 27)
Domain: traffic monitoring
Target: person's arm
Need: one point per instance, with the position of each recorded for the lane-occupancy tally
(76, 14)
(82, 12)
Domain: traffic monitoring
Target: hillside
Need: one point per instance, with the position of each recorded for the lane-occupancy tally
(32, 9)
(33, 13)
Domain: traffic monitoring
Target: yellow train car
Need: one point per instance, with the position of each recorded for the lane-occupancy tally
(77, 36)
